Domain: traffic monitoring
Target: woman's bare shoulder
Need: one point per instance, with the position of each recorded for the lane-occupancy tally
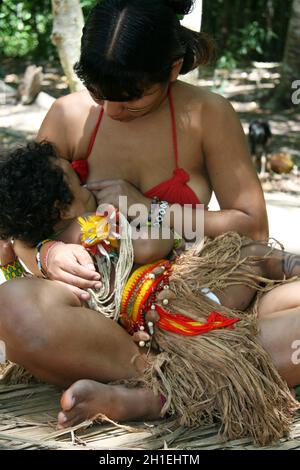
(65, 121)
(74, 105)
(201, 98)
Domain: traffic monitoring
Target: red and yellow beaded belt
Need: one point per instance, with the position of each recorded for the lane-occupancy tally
(139, 297)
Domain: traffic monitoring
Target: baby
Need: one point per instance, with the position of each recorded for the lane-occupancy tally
(42, 198)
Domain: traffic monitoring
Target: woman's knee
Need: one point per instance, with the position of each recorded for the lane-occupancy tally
(280, 298)
(22, 307)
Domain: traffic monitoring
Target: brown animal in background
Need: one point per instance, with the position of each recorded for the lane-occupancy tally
(260, 136)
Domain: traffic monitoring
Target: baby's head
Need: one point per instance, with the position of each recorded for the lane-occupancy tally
(38, 192)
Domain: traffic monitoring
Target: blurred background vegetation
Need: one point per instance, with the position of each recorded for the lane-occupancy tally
(244, 30)
(26, 28)
(247, 30)
(257, 65)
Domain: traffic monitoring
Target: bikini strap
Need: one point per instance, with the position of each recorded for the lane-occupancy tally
(174, 131)
(94, 134)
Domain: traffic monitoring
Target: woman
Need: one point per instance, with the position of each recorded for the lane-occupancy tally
(147, 134)
(205, 357)
(151, 125)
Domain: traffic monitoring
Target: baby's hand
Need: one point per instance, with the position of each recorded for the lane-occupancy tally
(72, 265)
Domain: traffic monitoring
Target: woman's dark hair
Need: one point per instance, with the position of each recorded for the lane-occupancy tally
(32, 190)
(128, 45)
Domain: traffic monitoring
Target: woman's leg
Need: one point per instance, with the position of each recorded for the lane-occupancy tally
(279, 326)
(47, 331)
(281, 298)
(280, 337)
(86, 399)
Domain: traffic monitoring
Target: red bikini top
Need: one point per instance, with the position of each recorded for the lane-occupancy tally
(174, 190)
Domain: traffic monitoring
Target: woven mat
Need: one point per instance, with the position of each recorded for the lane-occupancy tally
(28, 417)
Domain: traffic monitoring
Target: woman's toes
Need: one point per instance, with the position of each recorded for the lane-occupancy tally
(67, 420)
(61, 420)
(84, 400)
(67, 400)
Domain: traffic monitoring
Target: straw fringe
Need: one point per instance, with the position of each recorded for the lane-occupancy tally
(224, 375)
(12, 374)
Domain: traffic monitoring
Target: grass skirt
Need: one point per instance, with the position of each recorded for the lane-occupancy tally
(225, 375)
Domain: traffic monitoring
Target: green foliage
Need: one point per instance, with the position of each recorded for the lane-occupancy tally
(247, 30)
(227, 61)
(86, 5)
(248, 42)
(251, 39)
(244, 29)
(26, 27)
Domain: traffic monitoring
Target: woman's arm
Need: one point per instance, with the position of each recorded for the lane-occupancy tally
(232, 176)
(146, 249)
(55, 127)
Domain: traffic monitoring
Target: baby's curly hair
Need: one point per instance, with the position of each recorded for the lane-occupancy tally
(32, 190)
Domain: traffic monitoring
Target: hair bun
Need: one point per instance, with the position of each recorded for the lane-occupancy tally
(181, 7)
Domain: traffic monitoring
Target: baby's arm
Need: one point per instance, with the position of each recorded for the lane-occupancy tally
(147, 250)
(27, 254)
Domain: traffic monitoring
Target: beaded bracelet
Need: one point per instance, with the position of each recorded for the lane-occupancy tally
(154, 202)
(38, 257)
(12, 270)
(159, 217)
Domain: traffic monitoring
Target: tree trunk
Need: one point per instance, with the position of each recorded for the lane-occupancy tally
(66, 36)
(194, 19)
(291, 61)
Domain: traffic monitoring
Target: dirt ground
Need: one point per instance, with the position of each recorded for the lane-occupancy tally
(249, 90)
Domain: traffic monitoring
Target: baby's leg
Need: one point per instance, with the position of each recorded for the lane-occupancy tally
(281, 264)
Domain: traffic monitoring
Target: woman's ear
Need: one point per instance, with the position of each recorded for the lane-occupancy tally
(175, 71)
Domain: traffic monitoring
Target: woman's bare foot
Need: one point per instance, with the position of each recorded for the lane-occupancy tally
(87, 398)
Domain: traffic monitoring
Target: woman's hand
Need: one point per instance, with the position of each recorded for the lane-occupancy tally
(73, 266)
(109, 192)
(7, 254)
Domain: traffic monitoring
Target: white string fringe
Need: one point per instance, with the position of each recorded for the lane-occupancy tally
(107, 300)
